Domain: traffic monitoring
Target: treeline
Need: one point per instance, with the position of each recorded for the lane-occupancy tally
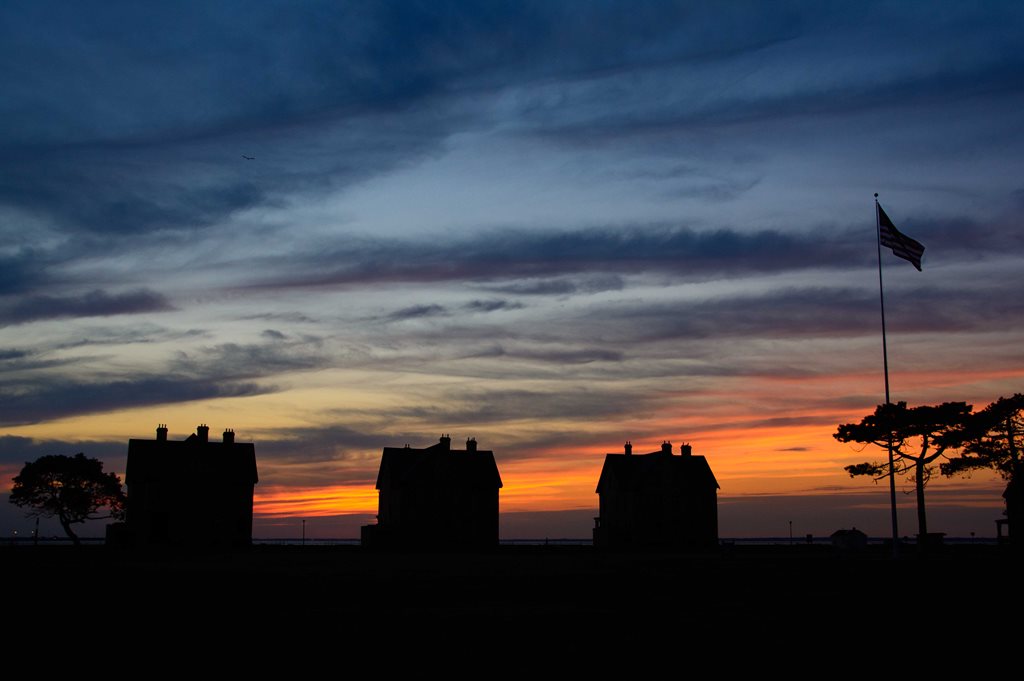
(919, 437)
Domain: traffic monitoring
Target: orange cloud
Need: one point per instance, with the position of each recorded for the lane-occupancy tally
(292, 502)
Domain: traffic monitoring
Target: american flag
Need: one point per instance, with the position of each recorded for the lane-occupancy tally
(902, 245)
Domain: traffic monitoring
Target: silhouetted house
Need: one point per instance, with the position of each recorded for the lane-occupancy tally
(436, 497)
(191, 492)
(657, 500)
(849, 540)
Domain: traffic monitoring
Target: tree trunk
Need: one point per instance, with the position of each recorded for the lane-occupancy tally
(922, 522)
(71, 534)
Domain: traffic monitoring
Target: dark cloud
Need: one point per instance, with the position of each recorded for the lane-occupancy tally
(273, 334)
(950, 239)
(143, 333)
(714, 189)
(152, 144)
(81, 189)
(543, 258)
(326, 456)
(540, 442)
(16, 361)
(789, 312)
(681, 95)
(203, 68)
(289, 317)
(97, 303)
(330, 455)
(596, 120)
(323, 444)
(479, 408)
(434, 310)
(176, 188)
(224, 370)
(417, 311)
(235, 361)
(562, 285)
(776, 422)
(14, 449)
(102, 142)
(47, 400)
(568, 356)
(491, 305)
(941, 309)
(111, 145)
(801, 312)
(542, 287)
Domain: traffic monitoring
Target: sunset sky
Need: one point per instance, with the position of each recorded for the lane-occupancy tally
(551, 226)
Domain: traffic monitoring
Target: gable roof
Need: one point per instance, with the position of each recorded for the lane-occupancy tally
(854, 533)
(161, 460)
(681, 471)
(438, 465)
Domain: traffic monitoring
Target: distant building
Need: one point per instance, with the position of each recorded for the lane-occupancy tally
(191, 492)
(657, 500)
(849, 540)
(436, 497)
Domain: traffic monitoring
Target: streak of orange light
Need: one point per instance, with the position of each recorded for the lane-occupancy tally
(285, 502)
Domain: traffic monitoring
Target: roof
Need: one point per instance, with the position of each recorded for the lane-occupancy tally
(438, 464)
(848, 533)
(156, 460)
(683, 470)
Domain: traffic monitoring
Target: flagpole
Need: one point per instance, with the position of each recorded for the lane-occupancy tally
(885, 366)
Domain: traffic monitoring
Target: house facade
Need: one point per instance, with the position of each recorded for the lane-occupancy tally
(190, 492)
(436, 497)
(657, 500)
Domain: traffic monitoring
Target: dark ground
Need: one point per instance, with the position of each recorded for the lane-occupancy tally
(305, 596)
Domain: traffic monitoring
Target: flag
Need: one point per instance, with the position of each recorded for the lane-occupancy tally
(902, 245)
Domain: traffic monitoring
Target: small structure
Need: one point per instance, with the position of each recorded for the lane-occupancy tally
(657, 500)
(436, 497)
(849, 541)
(191, 492)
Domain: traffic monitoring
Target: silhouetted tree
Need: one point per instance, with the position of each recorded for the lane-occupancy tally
(72, 488)
(918, 437)
(995, 439)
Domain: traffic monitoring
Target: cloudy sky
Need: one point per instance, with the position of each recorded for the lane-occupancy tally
(552, 226)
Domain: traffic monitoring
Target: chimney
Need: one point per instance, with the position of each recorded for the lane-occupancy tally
(446, 442)
(666, 447)
(229, 436)
(203, 432)
(685, 450)
(471, 444)
(161, 432)
(628, 447)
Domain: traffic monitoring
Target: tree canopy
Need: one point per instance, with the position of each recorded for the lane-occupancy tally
(918, 436)
(995, 440)
(71, 488)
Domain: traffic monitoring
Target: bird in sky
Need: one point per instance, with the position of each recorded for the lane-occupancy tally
(248, 158)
